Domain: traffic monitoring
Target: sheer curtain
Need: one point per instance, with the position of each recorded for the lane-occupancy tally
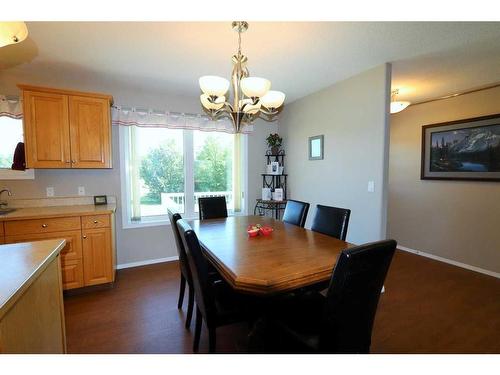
(131, 116)
(11, 107)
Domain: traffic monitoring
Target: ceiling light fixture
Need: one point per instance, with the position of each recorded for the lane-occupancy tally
(397, 106)
(12, 33)
(252, 97)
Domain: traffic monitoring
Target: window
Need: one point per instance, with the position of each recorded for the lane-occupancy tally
(213, 167)
(171, 168)
(11, 131)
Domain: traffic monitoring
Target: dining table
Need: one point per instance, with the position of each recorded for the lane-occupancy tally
(288, 258)
(266, 267)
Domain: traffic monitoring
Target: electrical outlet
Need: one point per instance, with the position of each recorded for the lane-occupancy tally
(81, 190)
(50, 191)
(371, 186)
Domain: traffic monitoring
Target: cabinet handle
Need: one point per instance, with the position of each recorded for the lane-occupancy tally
(73, 161)
(95, 221)
(84, 237)
(44, 225)
(68, 161)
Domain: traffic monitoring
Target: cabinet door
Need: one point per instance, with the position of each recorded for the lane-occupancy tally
(90, 132)
(72, 274)
(46, 130)
(71, 251)
(97, 257)
(71, 254)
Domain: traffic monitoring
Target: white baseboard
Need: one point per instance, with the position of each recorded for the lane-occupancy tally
(146, 262)
(449, 261)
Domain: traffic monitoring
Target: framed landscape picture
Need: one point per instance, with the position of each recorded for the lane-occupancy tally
(462, 150)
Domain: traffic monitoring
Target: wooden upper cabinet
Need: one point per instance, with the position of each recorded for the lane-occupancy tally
(66, 129)
(90, 130)
(46, 130)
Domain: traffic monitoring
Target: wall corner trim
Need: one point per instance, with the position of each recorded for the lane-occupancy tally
(146, 262)
(449, 261)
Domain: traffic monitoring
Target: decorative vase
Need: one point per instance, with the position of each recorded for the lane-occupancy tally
(275, 150)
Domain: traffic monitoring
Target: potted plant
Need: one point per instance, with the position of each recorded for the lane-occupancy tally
(274, 142)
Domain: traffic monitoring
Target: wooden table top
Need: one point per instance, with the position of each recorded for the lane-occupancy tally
(289, 258)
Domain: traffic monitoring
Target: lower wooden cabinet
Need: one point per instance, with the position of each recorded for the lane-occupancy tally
(71, 255)
(72, 250)
(97, 259)
(89, 255)
(72, 274)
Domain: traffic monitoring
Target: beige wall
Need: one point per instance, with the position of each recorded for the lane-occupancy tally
(133, 245)
(457, 220)
(352, 115)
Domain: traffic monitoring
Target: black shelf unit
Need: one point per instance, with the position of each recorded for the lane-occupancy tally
(273, 181)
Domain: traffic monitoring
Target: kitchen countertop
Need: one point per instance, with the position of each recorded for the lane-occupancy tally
(58, 211)
(20, 266)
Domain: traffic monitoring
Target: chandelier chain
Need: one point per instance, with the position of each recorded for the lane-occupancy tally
(239, 42)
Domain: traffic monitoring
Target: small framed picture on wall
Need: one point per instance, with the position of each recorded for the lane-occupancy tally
(316, 147)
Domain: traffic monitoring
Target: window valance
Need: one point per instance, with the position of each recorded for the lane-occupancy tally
(127, 116)
(11, 107)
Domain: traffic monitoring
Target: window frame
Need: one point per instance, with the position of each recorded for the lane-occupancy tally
(10, 174)
(188, 149)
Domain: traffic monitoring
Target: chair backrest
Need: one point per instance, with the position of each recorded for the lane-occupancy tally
(296, 212)
(353, 295)
(212, 207)
(203, 291)
(181, 252)
(332, 221)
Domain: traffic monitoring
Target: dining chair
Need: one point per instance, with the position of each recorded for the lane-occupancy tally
(332, 221)
(212, 207)
(184, 268)
(216, 303)
(296, 212)
(341, 321)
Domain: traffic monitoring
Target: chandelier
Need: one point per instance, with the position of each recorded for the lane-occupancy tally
(12, 33)
(397, 106)
(251, 95)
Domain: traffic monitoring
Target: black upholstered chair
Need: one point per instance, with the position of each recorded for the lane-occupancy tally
(332, 221)
(212, 207)
(296, 212)
(216, 303)
(184, 268)
(342, 321)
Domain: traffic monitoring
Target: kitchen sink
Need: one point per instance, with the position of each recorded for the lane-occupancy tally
(4, 211)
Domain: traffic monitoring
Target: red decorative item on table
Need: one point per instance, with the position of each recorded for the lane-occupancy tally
(266, 231)
(255, 230)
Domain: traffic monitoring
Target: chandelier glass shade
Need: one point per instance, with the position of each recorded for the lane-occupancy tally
(251, 96)
(12, 33)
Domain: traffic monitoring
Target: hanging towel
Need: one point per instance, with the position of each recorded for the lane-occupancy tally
(19, 163)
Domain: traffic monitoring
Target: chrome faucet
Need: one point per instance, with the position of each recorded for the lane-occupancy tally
(3, 204)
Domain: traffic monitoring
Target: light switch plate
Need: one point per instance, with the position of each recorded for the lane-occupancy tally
(50, 191)
(371, 186)
(81, 190)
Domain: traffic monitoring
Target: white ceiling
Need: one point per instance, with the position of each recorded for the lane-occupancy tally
(429, 59)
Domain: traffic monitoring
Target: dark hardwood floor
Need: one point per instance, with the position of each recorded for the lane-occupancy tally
(428, 307)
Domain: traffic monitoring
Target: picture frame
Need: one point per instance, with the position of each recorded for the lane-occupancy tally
(467, 149)
(100, 200)
(275, 167)
(316, 147)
